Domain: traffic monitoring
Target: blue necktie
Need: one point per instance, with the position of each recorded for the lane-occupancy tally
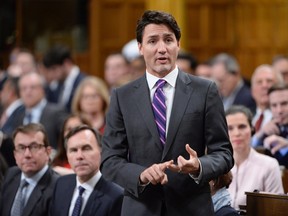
(19, 201)
(28, 117)
(159, 109)
(78, 204)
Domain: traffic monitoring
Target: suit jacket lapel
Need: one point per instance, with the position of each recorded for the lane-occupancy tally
(12, 190)
(94, 202)
(37, 193)
(181, 98)
(143, 101)
(67, 194)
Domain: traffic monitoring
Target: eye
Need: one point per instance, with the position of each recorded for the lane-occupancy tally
(151, 41)
(230, 128)
(86, 148)
(72, 150)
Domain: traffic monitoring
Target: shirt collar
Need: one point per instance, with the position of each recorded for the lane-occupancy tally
(72, 75)
(169, 78)
(40, 106)
(90, 184)
(35, 178)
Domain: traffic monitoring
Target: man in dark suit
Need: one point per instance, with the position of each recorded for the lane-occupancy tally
(37, 109)
(100, 197)
(66, 76)
(232, 87)
(160, 159)
(31, 151)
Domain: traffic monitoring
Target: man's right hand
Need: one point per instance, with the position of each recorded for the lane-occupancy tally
(155, 174)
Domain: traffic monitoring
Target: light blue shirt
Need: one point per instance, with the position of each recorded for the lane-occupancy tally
(33, 181)
(36, 112)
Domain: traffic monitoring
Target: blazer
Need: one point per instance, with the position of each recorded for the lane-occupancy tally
(39, 200)
(52, 119)
(244, 97)
(9, 125)
(105, 200)
(131, 144)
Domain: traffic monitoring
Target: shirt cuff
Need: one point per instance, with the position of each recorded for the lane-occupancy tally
(198, 178)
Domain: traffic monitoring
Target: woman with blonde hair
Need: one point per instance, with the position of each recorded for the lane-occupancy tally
(91, 100)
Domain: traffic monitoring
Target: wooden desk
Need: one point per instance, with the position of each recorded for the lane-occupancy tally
(264, 204)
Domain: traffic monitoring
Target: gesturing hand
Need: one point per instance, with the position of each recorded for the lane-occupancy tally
(155, 174)
(190, 166)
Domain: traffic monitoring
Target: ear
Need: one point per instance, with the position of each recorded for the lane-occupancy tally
(140, 48)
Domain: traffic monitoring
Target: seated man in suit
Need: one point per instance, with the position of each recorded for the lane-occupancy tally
(28, 188)
(225, 71)
(11, 103)
(66, 74)
(274, 135)
(86, 192)
(37, 109)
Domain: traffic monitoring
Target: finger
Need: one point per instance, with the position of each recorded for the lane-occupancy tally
(275, 149)
(174, 168)
(191, 152)
(165, 165)
(164, 180)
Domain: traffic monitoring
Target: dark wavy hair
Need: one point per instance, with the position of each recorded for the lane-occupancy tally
(156, 17)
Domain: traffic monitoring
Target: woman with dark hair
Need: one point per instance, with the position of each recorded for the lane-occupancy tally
(263, 171)
(60, 162)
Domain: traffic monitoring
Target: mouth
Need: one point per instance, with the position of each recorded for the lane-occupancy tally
(162, 60)
(80, 165)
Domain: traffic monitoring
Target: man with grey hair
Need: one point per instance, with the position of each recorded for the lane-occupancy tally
(226, 72)
(263, 78)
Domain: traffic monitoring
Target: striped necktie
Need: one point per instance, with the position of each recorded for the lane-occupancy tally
(159, 109)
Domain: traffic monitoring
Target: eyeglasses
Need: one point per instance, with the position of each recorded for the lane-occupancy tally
(33, 148)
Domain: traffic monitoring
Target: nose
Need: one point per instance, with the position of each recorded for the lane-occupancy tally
(27, 152)
(79, 154)
(161, 47)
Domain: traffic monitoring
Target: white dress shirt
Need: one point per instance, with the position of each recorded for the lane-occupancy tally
(89, 187)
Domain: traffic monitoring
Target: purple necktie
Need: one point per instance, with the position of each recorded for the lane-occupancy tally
(159, 109)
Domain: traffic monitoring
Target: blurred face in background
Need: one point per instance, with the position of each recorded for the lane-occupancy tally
(262, 79)
(116, 68)
(71, 123)
(26, 62)
(91, 101)
(281, 66)
(239, 131)
(31, 89)
(226, 81)
(279, 106)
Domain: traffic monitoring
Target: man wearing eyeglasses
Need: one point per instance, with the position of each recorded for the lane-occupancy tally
(28, 188)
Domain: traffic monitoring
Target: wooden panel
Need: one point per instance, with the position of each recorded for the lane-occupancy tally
(252, 30)
(266, 204)
(112, 25)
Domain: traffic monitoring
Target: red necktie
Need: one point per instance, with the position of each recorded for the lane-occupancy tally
(259, 122)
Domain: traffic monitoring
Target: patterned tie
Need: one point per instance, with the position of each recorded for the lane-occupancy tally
(19, 201)
(159, 109)
(78, 204)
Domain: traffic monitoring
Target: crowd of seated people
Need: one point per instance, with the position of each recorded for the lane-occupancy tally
(56, 94)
